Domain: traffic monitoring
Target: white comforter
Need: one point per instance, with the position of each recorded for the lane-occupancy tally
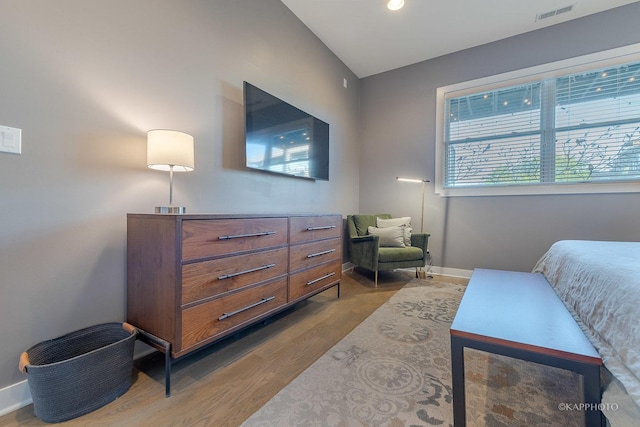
(599, 283)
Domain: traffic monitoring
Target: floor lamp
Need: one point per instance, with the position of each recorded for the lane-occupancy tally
(419, 272)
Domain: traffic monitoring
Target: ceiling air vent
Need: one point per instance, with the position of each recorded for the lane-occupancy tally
(549, 14)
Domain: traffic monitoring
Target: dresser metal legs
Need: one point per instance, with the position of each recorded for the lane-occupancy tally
(163, 346)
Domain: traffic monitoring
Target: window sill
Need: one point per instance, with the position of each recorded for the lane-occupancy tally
(533, 190)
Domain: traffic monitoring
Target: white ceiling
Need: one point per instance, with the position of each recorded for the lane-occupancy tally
(371, 39)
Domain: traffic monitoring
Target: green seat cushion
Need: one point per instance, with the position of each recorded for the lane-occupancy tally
(410, 253)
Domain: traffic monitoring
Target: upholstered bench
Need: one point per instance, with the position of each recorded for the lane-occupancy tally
(519, 315)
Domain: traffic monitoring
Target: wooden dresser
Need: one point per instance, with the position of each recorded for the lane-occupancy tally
(194, 279)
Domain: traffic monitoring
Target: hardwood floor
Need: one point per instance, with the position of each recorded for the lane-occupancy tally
(225, 383)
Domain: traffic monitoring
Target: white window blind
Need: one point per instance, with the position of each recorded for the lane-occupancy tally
(580, 127)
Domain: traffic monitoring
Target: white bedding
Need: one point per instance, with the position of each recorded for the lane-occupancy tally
(599, 282)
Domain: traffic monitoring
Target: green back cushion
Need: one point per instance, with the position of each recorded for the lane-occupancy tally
(363, 222)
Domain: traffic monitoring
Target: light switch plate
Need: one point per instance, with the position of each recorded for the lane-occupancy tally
(10, 140)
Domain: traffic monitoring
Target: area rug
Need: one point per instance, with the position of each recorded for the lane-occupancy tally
(394, 369)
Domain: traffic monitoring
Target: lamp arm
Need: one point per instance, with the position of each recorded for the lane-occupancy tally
(423, 181)
(422, 215)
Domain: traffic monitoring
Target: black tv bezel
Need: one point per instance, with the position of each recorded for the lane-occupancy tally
(326, 145)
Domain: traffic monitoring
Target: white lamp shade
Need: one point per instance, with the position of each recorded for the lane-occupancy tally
(167, 148)
(411, 179)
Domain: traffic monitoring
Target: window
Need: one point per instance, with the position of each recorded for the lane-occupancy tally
(553, 129)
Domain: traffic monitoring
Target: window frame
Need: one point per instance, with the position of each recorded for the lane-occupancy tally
(551, 70)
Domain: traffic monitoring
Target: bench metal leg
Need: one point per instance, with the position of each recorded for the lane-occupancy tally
(592, 397)
(457, 381)
(590, 376)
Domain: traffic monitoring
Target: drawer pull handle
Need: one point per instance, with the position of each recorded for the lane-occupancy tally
(324, 227)
(233, 313)
(229, 276)
(320, 278)
(238, 236)
(321, 253)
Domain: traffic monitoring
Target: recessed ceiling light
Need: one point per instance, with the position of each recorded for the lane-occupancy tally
(395, 4)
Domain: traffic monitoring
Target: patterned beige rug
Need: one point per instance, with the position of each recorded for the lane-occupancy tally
(394, 370)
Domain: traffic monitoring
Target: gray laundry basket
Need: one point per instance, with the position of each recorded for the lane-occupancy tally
(79, 372)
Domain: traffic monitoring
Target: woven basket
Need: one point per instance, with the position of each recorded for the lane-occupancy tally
(79, 372)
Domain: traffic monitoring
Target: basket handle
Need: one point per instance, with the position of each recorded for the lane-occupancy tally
(129, 328)
(24, 361)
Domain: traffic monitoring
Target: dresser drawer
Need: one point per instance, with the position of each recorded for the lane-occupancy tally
(206, 238)
(207, 278)
(311, 254)
(308, 228)
(218, 317)
(313, 279)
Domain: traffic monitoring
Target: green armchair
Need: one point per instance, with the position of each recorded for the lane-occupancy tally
(365, 250)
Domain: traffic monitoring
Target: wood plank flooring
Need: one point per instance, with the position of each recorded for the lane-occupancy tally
(225, 383)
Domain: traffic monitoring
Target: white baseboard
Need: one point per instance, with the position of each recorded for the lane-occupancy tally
(452, 272)
(347, 266)
(442, 271)
(14, 397)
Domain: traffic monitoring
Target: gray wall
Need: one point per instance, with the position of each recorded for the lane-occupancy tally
(398, 139)
(85, 80)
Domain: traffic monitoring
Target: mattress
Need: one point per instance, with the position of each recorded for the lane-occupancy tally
(599, 282)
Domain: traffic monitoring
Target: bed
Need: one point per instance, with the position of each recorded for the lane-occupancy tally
(599, 282)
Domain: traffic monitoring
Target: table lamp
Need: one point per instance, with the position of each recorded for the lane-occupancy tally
(170, 150)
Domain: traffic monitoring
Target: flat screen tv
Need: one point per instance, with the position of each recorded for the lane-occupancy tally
(283, 139)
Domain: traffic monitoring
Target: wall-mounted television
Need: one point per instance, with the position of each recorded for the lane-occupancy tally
(283, 139)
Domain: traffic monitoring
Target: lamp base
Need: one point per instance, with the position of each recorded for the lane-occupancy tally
(171, 209)
(421, 274)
